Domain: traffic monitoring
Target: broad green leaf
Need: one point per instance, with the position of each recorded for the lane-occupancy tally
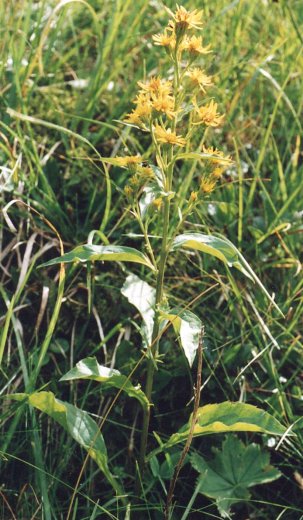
(232, 471)
(91, 253)
(143, 297)
(215, 246)
(229, 417)
(223, 249)
(77, 423)
(89, 368)
(188, 326)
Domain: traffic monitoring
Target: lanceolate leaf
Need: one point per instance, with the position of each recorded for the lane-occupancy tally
(91, 253)
(198, 156)
(232, 471)
(215, 246)
(89, 368)
(223, 249)
(228, 417)
(188, 326)
(77, 423)
(143, 297)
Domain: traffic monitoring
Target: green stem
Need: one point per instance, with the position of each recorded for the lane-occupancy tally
(145, 233)
(154, 347)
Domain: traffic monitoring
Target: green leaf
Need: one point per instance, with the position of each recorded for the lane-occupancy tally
(77, 423)
(143, 297)
(197, 156)
(90, 253)
(158, 176)
(227, 417)
(166, 470)
(188, 326)
(232, 471)
(168, 467)
(89, 368)
(215, 246)
(150, 193)
(223, 249)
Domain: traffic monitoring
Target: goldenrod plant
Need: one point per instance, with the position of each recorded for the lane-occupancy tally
(177, 111)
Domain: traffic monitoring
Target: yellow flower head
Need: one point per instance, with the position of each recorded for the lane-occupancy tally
(166, 136)
(219, 157)
(156, 85)
(146, 172)
(165, 39)
(133, 117)
(135, 181)
(142, 112)
(198, 78)
(218, 172)
(128, 161)
(208, 114)
(194, 47)
(184, 20)
(164, 103)
(157, 203)
(128, 192)
(193, 197)
(207, 185)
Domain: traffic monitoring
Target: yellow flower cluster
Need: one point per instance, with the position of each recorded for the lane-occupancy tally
(154, 99)
(141, 175)
(162, 107)
(214, 167)
(174, 37)
(216, 164)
